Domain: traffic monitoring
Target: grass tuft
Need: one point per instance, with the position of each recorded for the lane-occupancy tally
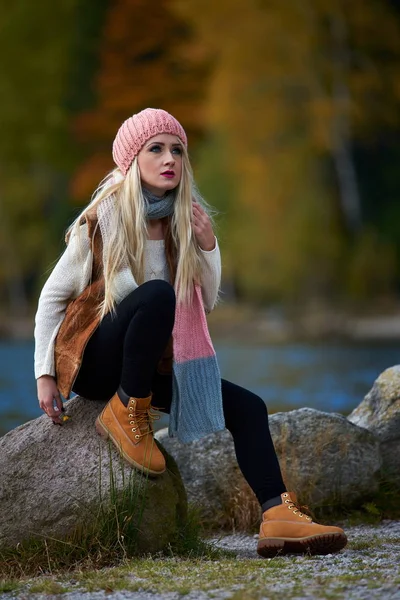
(8, 585)
(379, 505)
(47, 586)
(189, 540)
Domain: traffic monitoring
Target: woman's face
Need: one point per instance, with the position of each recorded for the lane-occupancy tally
(160, 163)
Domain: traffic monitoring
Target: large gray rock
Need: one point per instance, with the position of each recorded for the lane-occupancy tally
(380, 413)
(52, 479)
(324, 458)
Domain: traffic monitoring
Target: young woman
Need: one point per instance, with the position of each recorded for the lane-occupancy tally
(122, 318)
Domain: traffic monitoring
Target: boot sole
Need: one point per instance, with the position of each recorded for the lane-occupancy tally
(325, 543)
(106, 435)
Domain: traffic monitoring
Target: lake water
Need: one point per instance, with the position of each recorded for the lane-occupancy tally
(332, 377)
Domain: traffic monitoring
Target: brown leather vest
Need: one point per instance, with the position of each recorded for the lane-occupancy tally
(82, 319)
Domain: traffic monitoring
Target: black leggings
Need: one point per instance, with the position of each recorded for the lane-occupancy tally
(125, 350)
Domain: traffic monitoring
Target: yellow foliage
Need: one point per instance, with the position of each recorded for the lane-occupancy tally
(290, 82)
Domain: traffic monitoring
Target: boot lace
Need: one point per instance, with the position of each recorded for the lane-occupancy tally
(142, 420)
(296, 508)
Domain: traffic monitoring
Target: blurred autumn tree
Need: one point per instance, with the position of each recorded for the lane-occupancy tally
(295, 87)
(141, 63)
(34, 67)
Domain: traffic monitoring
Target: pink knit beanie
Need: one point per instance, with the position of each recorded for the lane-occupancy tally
(135, 131)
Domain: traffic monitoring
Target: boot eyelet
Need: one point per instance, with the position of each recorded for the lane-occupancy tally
(287, 501)
(284, 495)
(137, 437)
(130, 416)
(131, 422)
(134, 429)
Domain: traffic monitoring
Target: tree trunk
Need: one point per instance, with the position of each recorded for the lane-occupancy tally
(341, 130)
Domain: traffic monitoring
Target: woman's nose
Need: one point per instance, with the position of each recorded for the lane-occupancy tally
(169, 158)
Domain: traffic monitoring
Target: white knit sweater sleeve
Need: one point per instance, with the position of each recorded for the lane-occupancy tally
(210, 276)
(68, 279)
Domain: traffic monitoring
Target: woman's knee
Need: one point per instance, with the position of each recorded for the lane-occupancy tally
(159, 291)
(241, 406)
(252, 416)
(255, 406)
(156, 294)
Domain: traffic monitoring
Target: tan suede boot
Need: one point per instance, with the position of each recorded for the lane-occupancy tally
(129, 428)
(284, 529)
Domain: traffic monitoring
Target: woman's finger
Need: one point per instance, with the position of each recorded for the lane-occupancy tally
(45, 404)
(199, 213)
(57, 403)
(202, 217)
(60, 404)
(199, 217)
(198, 229)
(52, 407)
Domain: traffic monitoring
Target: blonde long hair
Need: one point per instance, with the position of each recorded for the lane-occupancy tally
(126, 243)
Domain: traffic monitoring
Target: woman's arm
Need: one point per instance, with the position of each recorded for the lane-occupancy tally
(68, 279)
(210, 276)
(211, 263)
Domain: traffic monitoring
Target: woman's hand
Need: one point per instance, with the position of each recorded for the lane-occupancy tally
(202, 228)
(48, 392)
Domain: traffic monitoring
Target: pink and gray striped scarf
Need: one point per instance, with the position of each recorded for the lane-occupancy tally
(196, 408)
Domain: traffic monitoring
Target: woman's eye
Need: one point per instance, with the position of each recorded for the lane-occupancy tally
(157, 148)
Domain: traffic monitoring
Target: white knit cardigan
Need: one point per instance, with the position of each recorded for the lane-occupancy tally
(72, 273)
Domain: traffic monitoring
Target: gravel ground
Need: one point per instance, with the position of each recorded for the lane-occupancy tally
(367, 570)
